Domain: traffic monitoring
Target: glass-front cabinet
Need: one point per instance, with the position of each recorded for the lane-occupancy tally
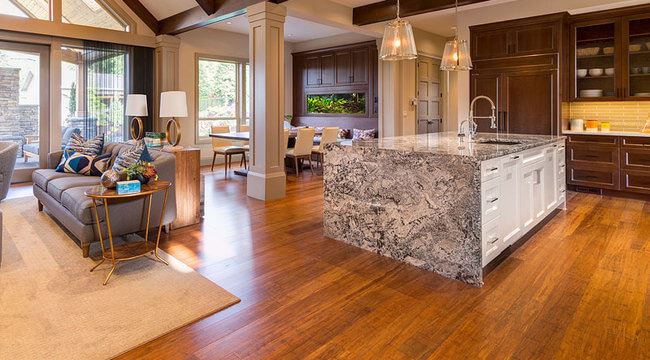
(636, 63)
(596, 52)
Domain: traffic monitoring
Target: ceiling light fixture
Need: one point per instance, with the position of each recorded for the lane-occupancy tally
(456, 55)
(398, 42)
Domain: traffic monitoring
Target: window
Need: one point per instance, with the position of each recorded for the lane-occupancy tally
(35, 9)
(223, 94)
(91, 13)
(348, 103)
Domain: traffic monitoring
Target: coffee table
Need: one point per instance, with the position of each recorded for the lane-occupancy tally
(135, 250)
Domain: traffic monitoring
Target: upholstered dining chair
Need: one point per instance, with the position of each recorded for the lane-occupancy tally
(303, 147)
(8, 154)
(224, 147)
(329, 136)
(245, 128)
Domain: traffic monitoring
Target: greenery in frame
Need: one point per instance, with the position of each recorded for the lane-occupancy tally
(350, 103)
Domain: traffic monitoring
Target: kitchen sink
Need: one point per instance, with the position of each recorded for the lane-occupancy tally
(498, 142)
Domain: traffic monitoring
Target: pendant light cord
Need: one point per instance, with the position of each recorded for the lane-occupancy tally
(398, 8)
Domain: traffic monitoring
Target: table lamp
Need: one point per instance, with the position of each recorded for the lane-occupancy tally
(136, 106)
(173, 104)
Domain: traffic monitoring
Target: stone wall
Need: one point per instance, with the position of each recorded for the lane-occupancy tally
(16, 121)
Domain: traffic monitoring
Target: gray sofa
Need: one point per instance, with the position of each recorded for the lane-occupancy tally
(62, 195)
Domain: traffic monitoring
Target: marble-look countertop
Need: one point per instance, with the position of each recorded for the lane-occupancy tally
(449, 143)
(607, 133)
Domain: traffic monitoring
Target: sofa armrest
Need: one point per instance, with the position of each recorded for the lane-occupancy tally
(53, 159)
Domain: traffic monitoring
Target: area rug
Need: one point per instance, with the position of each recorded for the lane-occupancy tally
(53, 307)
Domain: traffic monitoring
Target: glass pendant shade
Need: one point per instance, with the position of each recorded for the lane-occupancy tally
(456, 56)
(398, 42)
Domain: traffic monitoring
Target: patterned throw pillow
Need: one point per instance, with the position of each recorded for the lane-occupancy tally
(78, 163)
(92, 147)
(129, 156)
(358, 134)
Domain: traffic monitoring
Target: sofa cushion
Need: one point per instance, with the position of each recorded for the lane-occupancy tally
(42, 177)
(57, 186)
(80, 205)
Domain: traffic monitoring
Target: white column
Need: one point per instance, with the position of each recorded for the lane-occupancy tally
(266, 177)
(166, 74)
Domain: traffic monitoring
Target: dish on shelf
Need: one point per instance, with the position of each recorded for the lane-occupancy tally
(642, 94)
(588, 51)
(647, 45)
(591, 93)
(609, 71)
(608, 50)
(581, 73)
(591, 125)
(635, 47)
(595, 72)
(645, 69)
(635, 70)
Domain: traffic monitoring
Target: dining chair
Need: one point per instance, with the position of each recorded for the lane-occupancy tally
(224, 147)
(245, 144)
(303, 147)
(328, 136)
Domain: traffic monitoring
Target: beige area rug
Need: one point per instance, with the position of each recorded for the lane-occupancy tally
(53, 307)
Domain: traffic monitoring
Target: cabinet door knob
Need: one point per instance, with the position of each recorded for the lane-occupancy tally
(493, 200)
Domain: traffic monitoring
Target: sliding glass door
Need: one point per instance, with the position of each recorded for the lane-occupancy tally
(24, 104)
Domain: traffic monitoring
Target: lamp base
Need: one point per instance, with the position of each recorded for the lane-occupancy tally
(177, 131)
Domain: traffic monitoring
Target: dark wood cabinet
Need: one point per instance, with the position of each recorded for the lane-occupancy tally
(529, 102)
(349, 70)
(609, 162)
(530, 36)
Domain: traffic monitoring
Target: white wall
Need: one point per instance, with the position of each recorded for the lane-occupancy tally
(214, 42)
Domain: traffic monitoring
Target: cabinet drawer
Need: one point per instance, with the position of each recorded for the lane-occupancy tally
(490, 241)
(593, 155)
(533, 156)
(635, 142)
(561, 171)
(561, 153)
(490, 199)
(600, 140)
(490, 169)
(593, 176)
(635, 158)
(635, 181)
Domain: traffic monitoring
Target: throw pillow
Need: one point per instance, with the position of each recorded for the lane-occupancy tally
(78, 163)
(146, 156)
(344, 133)
(92, 147)
(358, 134)
(129, 156)
(66, 155)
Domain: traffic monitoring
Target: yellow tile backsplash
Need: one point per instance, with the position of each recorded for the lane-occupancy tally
(624, 116)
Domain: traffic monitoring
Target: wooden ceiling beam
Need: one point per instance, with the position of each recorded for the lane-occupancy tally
(196, 17)
(386, 10)
(209, 6)
(144, 14)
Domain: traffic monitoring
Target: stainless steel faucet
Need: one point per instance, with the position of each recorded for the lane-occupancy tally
(472, 125)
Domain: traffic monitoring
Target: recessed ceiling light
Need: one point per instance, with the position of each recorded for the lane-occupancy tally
(228, 22)
(290, 35)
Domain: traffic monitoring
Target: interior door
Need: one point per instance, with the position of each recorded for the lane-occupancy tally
(429, 95)
(24, 104)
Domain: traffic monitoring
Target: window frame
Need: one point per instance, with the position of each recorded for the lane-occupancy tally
(240, 96)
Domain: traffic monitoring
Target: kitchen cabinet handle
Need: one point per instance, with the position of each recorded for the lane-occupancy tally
(515, 157)
(495, 239)
(493, 200)
(563, 165)
(493, 169)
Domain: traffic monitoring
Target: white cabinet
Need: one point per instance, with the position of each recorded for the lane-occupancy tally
(510, 189)
(517, 192)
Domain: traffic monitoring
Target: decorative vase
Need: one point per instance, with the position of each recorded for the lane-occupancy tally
(142, 179)
(109, 179)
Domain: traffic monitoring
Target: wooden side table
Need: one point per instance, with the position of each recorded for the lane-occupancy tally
(134, 250)
(187, 187)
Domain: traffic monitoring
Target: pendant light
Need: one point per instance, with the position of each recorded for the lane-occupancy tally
(398, 42)
(456, 55)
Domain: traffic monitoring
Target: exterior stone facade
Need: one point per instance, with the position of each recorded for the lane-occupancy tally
(16, 121)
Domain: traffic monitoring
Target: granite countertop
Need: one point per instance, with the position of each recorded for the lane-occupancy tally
(448, 143)
(607, 133)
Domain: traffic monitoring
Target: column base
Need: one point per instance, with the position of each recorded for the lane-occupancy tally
(266, 186)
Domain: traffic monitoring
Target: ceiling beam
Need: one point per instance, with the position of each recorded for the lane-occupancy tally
(386, 10)
(209, 6)
(196, 17)
(144, 14)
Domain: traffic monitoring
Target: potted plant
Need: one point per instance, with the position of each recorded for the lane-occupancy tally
(141, 171)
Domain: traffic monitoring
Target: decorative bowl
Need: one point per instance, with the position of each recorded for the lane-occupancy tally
(595, 72)
(635, 47)
(589, 51)
(608, 50)
(581, 73)
(609, 71)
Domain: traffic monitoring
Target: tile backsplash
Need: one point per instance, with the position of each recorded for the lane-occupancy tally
(623, 115)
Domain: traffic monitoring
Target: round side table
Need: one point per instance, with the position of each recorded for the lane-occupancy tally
(133, 250)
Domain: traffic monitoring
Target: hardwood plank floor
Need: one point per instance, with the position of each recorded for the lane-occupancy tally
(579, 288)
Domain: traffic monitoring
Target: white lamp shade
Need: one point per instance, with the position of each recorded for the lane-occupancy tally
(136, 105)
(173, 104)
(398, 42)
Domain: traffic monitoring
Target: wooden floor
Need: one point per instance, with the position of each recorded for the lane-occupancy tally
(578, 289)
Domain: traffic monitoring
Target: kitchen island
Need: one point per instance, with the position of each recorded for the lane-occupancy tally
(439, 201)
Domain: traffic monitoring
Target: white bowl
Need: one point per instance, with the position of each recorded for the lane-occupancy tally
(609, 71)
(581, 73)
(595, 72)
(591, 93)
